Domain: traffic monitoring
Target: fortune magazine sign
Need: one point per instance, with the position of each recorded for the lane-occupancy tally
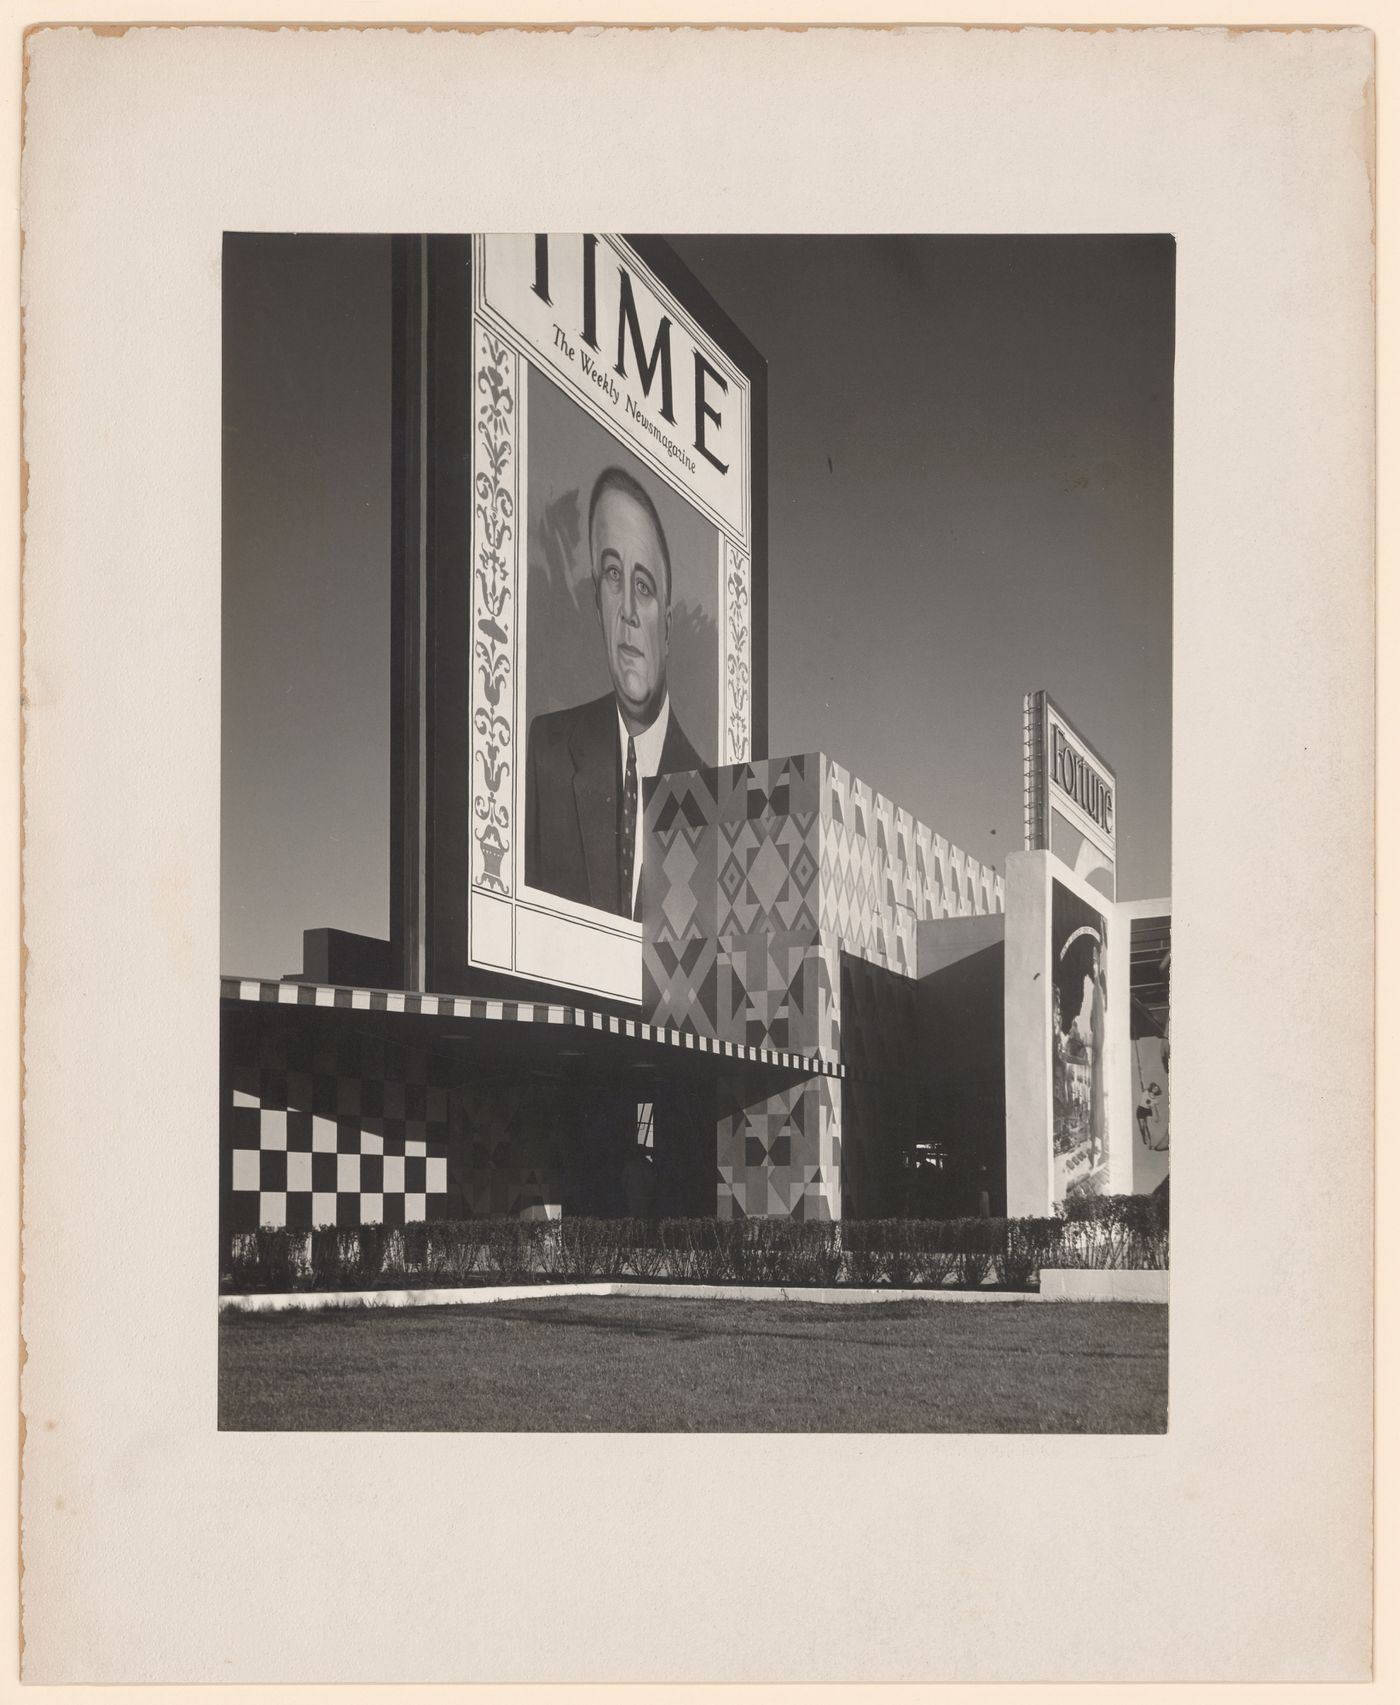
(1070, 795)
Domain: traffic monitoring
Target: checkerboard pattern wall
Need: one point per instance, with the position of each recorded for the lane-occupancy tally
(378, 1135)
(332, 1133)
(326, 1120)
(762, 881)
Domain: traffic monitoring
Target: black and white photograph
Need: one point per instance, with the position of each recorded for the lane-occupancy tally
(696, 824)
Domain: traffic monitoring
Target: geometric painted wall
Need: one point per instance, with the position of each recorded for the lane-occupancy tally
(778, 1153)
(758, 877)
(781, 904)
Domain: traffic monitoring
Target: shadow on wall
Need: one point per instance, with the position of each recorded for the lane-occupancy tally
(962, 1093)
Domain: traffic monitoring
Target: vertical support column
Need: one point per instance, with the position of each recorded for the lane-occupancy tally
(1119, 1050)
(1028, 1006)
(826, 1201)
(408, 616)
(1132, 1168)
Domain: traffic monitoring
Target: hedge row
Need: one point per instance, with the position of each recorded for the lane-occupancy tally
(1105, 1231)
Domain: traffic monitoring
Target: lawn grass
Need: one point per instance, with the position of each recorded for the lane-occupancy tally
(626, 1364)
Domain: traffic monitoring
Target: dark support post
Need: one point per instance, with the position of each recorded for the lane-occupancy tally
(408, 769)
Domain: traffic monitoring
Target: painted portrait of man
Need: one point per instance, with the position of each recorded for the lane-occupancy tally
(585, 764)
(1079, 935)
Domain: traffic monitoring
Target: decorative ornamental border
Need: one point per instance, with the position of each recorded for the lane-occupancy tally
(494, 546)
(1033, 772)
(737, 657)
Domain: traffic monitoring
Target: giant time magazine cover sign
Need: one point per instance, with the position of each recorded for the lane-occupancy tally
(613, 623)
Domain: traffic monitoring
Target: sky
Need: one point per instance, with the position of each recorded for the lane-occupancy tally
(304, 785)
(970, 445)
(970, 497)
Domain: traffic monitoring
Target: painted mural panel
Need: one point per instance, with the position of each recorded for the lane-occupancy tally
(1079, 942)
(1149, 971)
(1151, 1112)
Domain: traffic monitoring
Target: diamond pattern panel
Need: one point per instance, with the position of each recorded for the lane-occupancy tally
(778, 1155)
(731, 900)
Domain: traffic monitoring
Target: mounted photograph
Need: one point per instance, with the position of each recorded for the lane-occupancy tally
(696, 830)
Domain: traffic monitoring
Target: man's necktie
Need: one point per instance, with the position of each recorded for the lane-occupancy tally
(627, 836)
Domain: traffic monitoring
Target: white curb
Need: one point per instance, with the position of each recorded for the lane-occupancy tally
(254, 1302)
(1058, 1284)
(264, 1303)
(1104, 1284)
(813, 1293)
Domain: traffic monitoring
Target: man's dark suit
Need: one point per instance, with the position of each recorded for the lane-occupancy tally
(573, 782)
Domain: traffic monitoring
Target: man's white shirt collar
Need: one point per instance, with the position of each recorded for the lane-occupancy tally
(648, 743)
